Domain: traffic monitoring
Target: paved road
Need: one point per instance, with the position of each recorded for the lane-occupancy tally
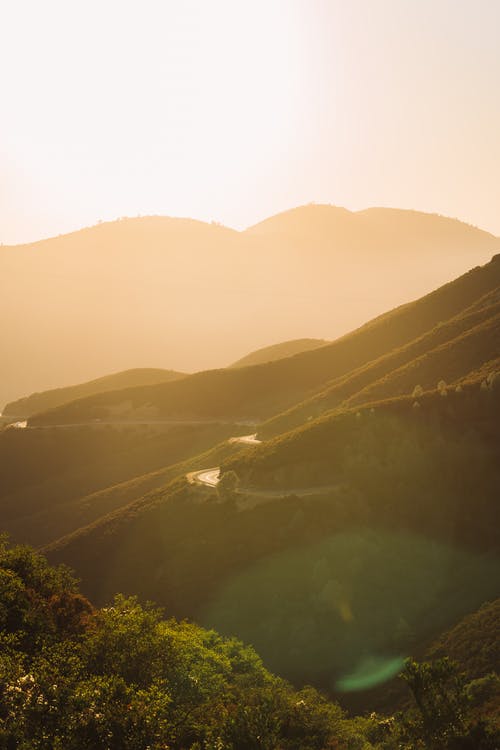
(134, 422)
(18, 425)
(210, 477)
(246, 440)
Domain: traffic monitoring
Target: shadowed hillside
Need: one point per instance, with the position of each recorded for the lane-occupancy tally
(397, 543)
(56, 480)
(168, 291)
(342, 545)
(24, 407)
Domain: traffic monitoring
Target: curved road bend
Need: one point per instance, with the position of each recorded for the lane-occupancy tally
(210, 477)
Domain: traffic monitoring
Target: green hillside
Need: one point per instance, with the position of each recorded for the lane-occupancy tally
(473, 642)
(449, 352)
(352, 541)
(259, 392)
(24, 407)
(279, 351)
(397, 542)
(124, 677)
(56, 480)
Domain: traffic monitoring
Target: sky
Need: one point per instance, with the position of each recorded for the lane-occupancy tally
(231, 110)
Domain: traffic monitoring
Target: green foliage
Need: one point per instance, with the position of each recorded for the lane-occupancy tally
(473, 642)
(442, 718)
(124, 678)
(439, 693)
(401, 533)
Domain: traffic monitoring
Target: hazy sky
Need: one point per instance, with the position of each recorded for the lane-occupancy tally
(236, 109)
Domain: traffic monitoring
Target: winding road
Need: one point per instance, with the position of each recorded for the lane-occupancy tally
(210, 477)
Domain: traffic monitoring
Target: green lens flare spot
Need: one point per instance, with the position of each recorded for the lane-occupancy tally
(370, 672)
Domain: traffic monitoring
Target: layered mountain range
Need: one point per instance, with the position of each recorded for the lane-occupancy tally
(184, 295)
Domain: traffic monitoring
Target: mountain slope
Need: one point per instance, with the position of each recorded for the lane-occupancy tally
(397, 543)
(450, 351)
(473, 642)
(28, 405)
(161, 288)
(56, 480)
(279, 351)
(259, 392)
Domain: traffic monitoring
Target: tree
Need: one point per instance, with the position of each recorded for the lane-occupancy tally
(442, 719)
(227, 486)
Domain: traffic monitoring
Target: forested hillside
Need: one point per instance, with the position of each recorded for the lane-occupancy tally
(124, 677)
(394, 540)
(338, 547)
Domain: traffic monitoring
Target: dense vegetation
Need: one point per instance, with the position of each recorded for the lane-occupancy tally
(336, 548)
(73, 677)
(396, 542)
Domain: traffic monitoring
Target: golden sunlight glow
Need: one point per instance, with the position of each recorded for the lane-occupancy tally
(232, 110)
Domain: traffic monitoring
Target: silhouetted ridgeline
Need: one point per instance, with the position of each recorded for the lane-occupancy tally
(279, 351)
(168, 291)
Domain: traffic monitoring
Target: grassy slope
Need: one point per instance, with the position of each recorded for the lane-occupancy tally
(451, 361)
(397, 543)
(55, 481)
(24, 407)
(322, 449)
(263, 390)
(392, 553)
(449, 351)
(117, 503)
(279, 351)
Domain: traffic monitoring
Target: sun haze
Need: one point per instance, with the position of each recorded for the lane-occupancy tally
(234, 111)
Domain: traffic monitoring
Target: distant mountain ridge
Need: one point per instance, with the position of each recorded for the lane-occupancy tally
(28, 405)
(279, 351)
(261, 391)
(189, 295)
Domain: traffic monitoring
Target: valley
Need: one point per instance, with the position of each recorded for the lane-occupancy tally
(250, 375)
(354, 441)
